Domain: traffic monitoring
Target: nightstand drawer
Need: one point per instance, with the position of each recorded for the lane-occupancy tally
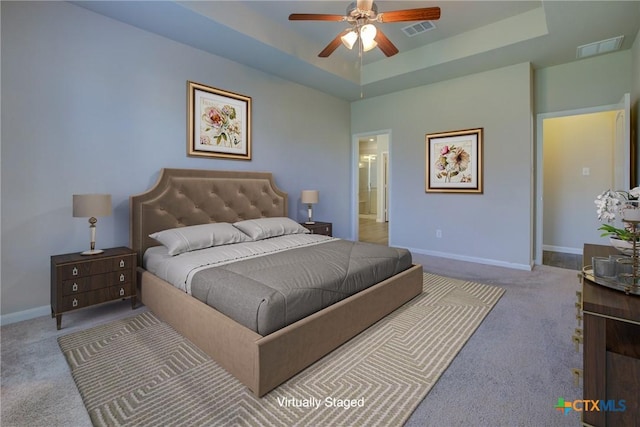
(83, 269)
(84, 284)
(85, 299)
(120, 291)
(324, 228)
(120, 277)
(123, 263)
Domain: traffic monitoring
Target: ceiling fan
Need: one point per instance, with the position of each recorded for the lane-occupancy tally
(361, 15)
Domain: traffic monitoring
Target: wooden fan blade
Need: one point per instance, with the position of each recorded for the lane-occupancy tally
(422, 14)
(333, 45)
(315, 17)
(385, 44)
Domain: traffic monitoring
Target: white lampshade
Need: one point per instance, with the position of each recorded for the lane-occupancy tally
(349, 39)
(310, 196)
(91, 205)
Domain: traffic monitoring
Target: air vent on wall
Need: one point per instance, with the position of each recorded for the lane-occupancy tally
(596, 48)
(419, 28)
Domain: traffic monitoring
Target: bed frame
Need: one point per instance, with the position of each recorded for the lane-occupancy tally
(184, 197)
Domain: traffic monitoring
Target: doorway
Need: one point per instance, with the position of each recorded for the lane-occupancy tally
(580, 154)
(372, 188)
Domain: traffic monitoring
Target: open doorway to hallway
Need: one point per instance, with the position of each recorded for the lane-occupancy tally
(373, 189)
(580, 154)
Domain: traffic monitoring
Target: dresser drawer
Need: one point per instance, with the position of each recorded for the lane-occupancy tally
(120, 277)
(83, 269)
(84, 284)
(85, 299)
(123, 263)
(325, 230)
(120, 291)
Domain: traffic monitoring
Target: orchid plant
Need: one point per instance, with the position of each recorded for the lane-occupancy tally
(608, 205)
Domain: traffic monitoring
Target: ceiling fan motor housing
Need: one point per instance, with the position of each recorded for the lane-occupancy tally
(354, 12)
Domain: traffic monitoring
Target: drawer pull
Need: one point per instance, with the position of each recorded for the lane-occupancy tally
(577, 374)
(122, 277)
(74, 272)
(121, 292)
(74, 288)
(577, 340)
(75, 303)
(121, 263)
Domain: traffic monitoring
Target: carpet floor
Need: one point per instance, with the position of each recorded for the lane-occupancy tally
(138, 371)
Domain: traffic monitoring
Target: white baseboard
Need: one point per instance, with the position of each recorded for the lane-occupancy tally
(563, 249)
(486, 261)
(32, 313)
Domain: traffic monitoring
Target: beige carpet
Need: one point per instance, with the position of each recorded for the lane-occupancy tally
(138, 371)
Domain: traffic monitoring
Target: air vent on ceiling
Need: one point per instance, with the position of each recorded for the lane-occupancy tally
(596, 48)
(419, 28)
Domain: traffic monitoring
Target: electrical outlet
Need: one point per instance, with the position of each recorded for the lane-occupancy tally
(439, 234)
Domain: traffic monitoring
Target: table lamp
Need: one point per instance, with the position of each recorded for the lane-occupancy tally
(90, 206)
(310, 197)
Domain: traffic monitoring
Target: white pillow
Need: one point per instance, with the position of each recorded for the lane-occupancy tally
(263, 228)
(185, 239)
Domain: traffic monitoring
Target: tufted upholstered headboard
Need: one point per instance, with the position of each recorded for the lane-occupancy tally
(184, 197)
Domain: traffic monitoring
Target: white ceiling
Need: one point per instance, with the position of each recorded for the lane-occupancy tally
(470, 37)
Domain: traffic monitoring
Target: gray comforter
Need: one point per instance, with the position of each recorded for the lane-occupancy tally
(270, 292)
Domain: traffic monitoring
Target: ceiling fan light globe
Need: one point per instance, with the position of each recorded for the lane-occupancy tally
(368, 45)
(368, 33)
(349, 39)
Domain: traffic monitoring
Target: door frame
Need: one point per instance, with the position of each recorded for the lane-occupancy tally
(539, 170)
(355, 157)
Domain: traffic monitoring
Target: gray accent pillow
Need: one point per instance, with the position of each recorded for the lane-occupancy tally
(193, 237)
(263, 228)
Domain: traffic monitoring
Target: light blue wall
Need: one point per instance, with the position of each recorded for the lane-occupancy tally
(93, 105)
(590, 82)
(494, 227)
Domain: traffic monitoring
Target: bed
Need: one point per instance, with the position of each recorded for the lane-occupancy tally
(187, 197)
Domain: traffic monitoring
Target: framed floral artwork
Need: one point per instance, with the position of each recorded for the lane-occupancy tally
(454, 162)
(218, 123)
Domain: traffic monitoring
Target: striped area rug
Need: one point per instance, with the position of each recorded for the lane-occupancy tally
(140, 372)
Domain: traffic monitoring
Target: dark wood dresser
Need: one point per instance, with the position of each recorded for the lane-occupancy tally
(79, 281)
(611, 350)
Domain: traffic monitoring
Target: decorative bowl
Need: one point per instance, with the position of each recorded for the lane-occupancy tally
(624, 246)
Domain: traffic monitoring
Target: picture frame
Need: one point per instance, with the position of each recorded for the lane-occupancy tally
(454, 162)
(218, 123)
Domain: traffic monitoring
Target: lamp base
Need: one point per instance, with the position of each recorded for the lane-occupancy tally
(309, 222)
(92, 252)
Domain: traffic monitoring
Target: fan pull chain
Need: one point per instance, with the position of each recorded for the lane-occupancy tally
(360, 54)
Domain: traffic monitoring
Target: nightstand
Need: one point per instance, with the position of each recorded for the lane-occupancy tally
(79, 281)
(318, 227)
